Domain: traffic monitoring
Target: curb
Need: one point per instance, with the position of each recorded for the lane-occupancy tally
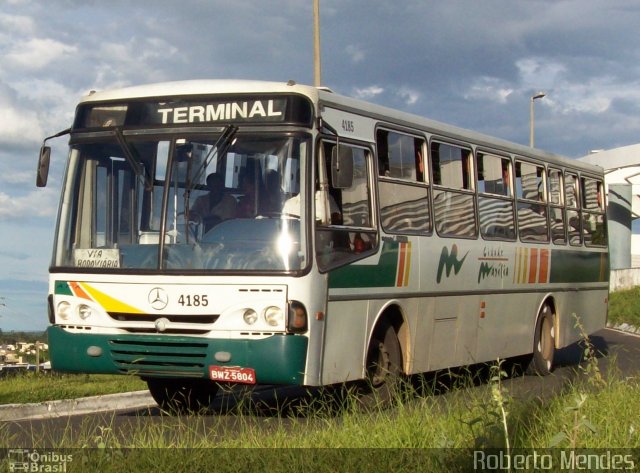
(624, 327)
(69, 407)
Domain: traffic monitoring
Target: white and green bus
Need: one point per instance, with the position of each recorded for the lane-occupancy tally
(215, 232)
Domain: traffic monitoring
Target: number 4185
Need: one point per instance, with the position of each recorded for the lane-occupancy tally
(195, 300)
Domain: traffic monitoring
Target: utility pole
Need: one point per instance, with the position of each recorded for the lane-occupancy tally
(316, 44)
(535, 97)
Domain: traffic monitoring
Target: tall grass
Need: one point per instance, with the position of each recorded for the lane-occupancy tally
(402, 436)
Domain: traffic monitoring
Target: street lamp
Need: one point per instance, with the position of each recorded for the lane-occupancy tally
(539, 95)
(316, 44)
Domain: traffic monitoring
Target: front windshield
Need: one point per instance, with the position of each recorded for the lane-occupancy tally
(184, 203)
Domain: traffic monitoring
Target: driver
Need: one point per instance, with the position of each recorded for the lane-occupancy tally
(215, 206)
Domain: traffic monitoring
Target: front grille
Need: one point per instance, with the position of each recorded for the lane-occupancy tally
(180, 358)
(185, 319)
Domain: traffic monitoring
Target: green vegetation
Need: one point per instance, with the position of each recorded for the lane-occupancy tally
(409, 434)
(624, 307)
(38, 387)
(12, 337)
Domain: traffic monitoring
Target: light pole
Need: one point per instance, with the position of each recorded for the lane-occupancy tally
(316, 44)
(539, 95)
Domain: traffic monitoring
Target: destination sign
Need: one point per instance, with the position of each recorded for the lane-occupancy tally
(196, 111)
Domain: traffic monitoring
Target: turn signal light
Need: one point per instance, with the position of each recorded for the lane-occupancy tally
(297, 321)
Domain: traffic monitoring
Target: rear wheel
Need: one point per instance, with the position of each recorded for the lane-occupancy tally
(384, 362)
(544, 343)
(180, 396)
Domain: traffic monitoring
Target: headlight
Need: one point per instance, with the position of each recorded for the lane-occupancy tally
(273, 315)
(64, 310)
(250, 316)
(84, 311)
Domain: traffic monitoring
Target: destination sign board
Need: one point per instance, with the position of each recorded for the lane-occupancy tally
(263, 109)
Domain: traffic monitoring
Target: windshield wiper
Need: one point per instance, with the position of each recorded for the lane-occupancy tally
(133, 158)
(219, 149)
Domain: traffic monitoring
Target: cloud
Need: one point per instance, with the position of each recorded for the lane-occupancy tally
(367, 93)
(18, 125)
(37, 203)
(355, 52)
(409, 95)
(37, 53)
(21, 24)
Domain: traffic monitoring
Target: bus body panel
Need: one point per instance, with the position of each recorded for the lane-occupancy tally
(277, 359)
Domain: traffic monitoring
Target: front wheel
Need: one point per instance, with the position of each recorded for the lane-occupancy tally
(384, 362)
(180, 396)
(544, 343)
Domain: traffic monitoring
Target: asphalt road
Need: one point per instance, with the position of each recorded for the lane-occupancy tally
(616, 350)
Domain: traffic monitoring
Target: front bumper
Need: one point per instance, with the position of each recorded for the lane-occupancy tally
(278, 359)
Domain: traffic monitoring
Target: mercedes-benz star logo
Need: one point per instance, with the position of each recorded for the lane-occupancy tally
(158, 298)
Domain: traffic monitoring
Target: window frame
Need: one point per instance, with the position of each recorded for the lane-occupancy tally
(471, 191)
(510, 197)
(542, 203)
(423, 184)
(561, 206)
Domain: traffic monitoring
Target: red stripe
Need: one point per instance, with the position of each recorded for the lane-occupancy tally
(544, 266)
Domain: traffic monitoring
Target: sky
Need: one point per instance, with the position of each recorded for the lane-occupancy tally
(474, 64)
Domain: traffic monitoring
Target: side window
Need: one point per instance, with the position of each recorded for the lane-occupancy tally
(593, 212)
(495, 197)
(404, 197)
(556, 208)
(349, 233)
(532, 209)
(573, 209)
(400, 155)
(453, 197)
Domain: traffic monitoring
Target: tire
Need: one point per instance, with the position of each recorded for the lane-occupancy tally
(543, 343)
(179, 396)
(384, 363)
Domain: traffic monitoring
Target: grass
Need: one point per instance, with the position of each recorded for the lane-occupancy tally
(37, 387)
(407, 436)
(624, 307)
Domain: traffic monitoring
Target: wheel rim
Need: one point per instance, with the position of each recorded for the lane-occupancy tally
(546, 343)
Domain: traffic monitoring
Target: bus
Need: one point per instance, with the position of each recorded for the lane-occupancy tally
(244, 232)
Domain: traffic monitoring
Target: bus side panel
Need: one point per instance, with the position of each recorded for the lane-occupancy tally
(589, 307)
(506, 325)
(453, 337)
(345, 338)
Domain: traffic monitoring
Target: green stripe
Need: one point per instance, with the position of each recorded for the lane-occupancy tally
(382, 274)
(578, 266)
(62, 288)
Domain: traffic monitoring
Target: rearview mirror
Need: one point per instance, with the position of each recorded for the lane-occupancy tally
(43, 166)
(342, 167)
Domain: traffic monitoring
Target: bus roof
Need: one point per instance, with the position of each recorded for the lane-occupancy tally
(327, 97)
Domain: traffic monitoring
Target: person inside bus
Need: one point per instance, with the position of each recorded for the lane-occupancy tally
(271, 199)
(247, 203)
(215, 206)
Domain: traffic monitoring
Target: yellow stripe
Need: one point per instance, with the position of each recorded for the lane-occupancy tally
(108, 303)
(524, 266)
(407, 265)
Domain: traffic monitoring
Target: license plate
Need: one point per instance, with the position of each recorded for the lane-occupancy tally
(232, 374)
